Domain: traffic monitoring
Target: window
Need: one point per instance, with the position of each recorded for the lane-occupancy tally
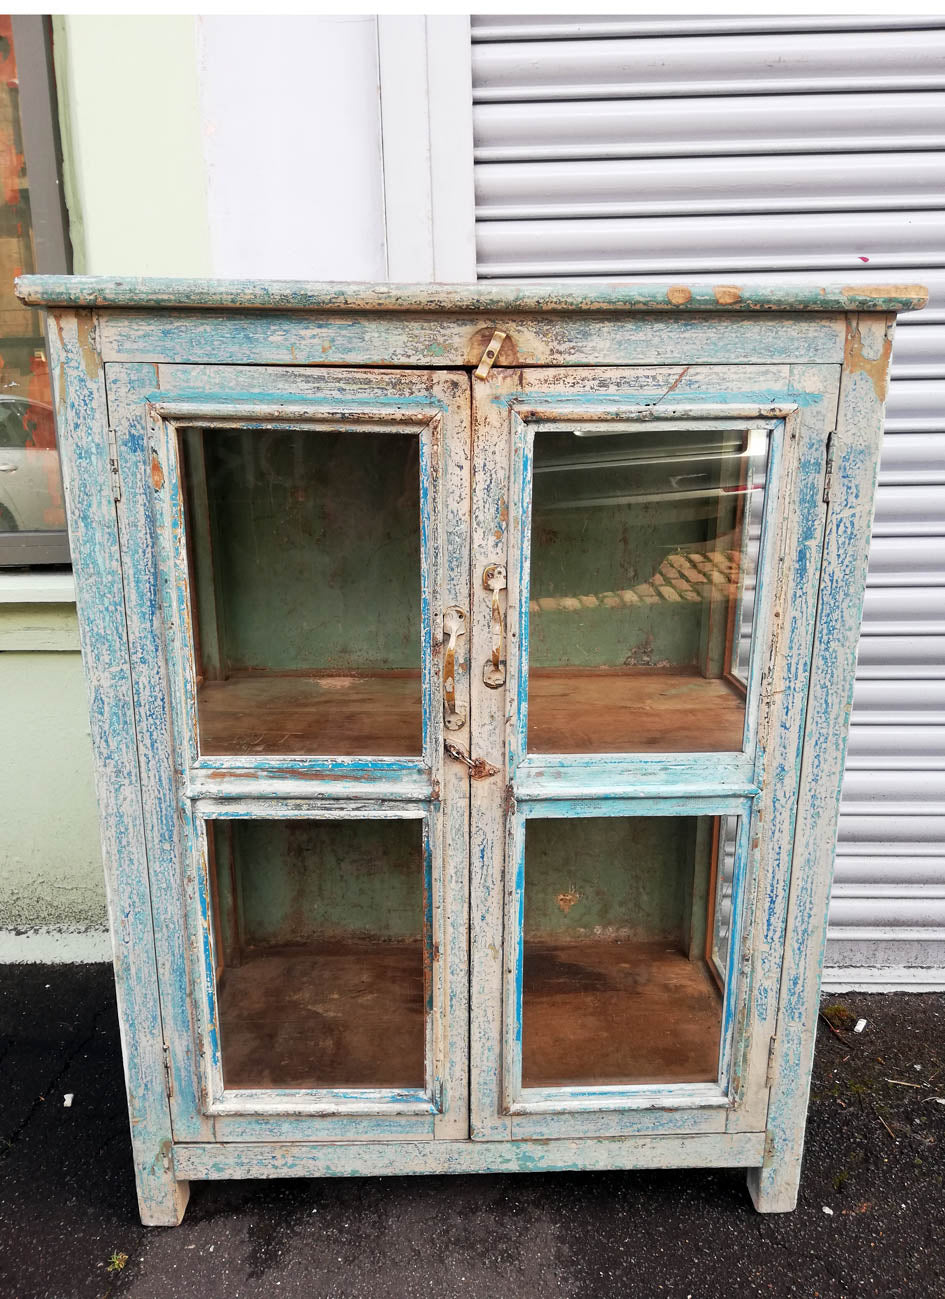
(32, 238)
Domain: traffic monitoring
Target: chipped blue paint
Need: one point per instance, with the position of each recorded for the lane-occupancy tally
(777, 352)
(561, 296)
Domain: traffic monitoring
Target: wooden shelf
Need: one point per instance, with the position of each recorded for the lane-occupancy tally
(632, 710)
(335, 716)
(570, 710)
(605, 1012)
(330, 1014)
(351, 1014)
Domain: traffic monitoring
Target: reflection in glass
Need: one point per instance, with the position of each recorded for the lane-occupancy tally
(615, 985)
(304, 549)
(318, 941)
(31, 500)
(644, 546)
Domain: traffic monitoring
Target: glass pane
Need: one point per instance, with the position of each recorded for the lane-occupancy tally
(31, 501)
(616, 988)
(319, 943)
(305, 561)
(641, 553)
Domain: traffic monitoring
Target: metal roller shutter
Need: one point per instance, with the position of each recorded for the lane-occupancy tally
(787, 148)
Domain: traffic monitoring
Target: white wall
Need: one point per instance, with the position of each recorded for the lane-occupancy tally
(292, 138)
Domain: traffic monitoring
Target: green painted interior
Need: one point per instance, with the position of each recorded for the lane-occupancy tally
(589, 539)
(299, 881)
(309, 543)
(620, 877)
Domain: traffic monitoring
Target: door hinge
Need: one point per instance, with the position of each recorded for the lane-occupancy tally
(168, 1076)
(769, 1073)
(113, 464)
(828, 473)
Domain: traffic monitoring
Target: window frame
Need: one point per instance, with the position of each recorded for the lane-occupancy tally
(52, 247)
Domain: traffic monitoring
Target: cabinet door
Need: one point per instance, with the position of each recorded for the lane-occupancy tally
(295, 554)
(646, 549)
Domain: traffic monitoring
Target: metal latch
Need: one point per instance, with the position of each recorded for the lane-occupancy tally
(478, 767)
(168, 1075)
(489, 355)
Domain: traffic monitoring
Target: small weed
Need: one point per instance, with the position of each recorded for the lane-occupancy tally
(117, 1262)
(840, 1179)
(838, 1015)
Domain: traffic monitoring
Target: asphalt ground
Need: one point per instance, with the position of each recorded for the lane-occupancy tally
(69, 1226)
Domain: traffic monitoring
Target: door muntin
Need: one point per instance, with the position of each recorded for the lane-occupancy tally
(343, 834)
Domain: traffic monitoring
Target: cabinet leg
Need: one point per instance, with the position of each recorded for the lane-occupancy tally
(773, 1186)
(162, 1199)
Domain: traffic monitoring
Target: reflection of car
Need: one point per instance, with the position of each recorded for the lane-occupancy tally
(30, 486)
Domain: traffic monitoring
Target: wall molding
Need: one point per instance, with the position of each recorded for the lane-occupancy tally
(425, 89)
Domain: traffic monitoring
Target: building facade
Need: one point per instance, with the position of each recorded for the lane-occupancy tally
(740, 149)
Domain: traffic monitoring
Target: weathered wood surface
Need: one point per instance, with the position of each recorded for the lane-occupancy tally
(658, 352)
(785, 603)
(327, 713)
(631, 710)
(437, 405)
(305, 295)
(598, 1013)
(367, 1159)
(451, 341)
(856, 444)
(329, 1013)
(570, 711)
(490, 797)
(82, 416)
(176, 861)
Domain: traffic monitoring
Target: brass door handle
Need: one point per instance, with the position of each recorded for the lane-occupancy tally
(493, 670)
(454, 625)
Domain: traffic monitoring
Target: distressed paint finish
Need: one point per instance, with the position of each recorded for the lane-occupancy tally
(546, 339)
(797, 362)
(857, 439)
(376, 1160)
(563, 296)
(802, 404)
(430, 339)
(79, 388)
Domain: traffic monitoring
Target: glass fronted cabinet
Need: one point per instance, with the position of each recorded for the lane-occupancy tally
(469, 674)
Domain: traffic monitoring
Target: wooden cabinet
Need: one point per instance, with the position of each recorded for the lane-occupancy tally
(469, 673)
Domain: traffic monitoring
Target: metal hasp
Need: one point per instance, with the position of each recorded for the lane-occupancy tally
(489, 355)
(491, 713)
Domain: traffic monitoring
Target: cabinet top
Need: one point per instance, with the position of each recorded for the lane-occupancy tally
(86, 291)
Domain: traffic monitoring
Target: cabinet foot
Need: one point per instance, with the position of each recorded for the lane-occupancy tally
(161, 1203)
(773, 1187)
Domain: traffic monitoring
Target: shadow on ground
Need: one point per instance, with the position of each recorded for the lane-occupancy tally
(875, 1157)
